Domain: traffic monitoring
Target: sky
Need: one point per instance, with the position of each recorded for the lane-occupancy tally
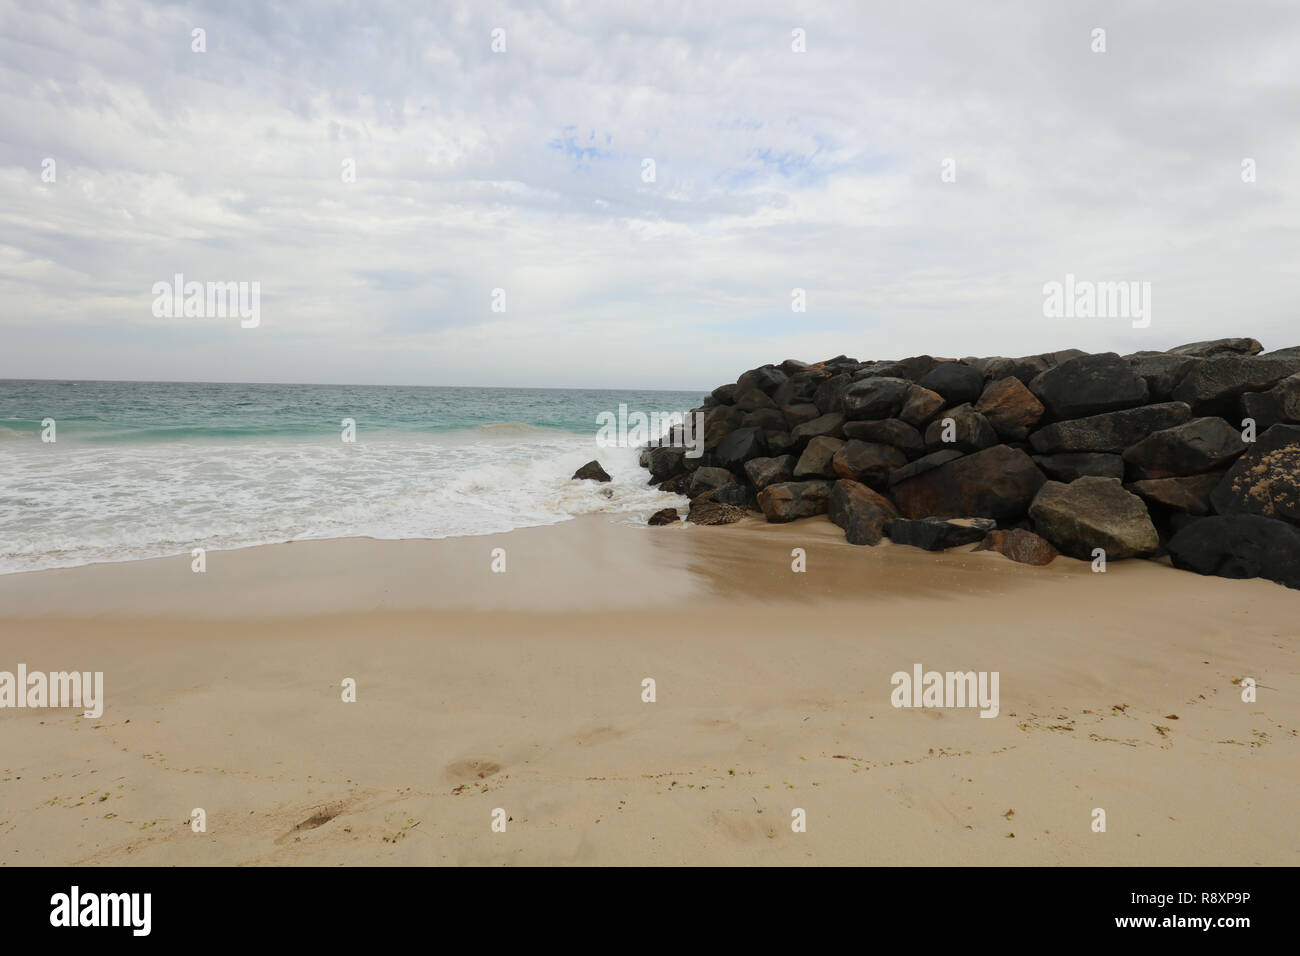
(524, 169)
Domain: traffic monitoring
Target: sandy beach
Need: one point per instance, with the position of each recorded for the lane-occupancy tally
(522, 691)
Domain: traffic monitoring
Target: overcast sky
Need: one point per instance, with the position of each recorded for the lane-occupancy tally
(523, 170)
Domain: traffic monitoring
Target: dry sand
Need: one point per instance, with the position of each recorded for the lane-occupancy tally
(522, 691)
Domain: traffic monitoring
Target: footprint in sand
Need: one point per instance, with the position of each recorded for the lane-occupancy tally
(471, 769)
(319, 817)
(598, 736)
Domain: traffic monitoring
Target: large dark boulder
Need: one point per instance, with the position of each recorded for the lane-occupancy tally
(861, 512)
(958, 384)
(1239, 546)
(867, 462)
(1110, 432)
(1190, 493)
(815, 462)
(1213, 386)
(936, 534)
(739, 447)
(890, 431)
(1266, 479)
(1187, 449)
(1094, 513)
(664, 463)
(768, 471)
(1010, 407)
(788, 500)
(998, 482)
(766, 379)
(707, 479)
(1070, 465)
(967, 429)
(875, 398)
(829, 396)
(1089, 385)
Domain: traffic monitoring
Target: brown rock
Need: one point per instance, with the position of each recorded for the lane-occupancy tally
(664, 516)
(1190, 494)
(998, 482)
(1011, 408)
(1019, 545)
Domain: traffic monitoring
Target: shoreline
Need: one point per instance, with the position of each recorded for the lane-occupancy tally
(523, 691)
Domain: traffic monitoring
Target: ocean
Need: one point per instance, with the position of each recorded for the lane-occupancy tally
(149, 469)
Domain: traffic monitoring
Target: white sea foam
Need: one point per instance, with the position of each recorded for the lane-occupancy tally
(65, 504)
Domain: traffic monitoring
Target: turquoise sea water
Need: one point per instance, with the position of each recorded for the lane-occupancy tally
(147, 469)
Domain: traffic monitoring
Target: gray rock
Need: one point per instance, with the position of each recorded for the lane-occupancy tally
(1110, 432)
(1199, 445)
(707, 479)
(1094, 513)
(1214, 385)
(1161, 371)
